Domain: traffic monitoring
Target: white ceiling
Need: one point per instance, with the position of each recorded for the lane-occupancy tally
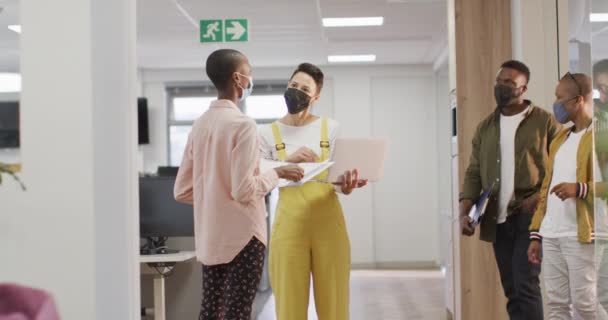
(287, 32)
(282, 32)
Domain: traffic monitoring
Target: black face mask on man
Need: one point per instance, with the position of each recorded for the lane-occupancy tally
(504, 95)
(296, 100)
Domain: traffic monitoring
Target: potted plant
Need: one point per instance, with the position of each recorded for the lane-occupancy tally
(11, 170)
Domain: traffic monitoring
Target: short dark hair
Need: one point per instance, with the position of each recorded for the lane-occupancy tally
(313, 71)
(519, 66)
(600, 67)
(220, 66)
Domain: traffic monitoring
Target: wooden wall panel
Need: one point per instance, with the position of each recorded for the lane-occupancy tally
(482, 43)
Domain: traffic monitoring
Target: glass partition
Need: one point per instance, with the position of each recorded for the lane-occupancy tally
(598, 21)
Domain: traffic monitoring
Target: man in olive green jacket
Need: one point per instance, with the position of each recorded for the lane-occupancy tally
(510, 150)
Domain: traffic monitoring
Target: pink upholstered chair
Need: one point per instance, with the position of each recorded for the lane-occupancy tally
(22, 303)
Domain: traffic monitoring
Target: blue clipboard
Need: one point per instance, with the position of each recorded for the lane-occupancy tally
(479, 209)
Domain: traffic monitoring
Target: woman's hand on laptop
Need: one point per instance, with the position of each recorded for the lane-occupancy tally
(350, 181)
(302, 155)
(290, 172)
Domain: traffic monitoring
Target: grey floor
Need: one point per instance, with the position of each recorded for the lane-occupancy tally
(382, 295)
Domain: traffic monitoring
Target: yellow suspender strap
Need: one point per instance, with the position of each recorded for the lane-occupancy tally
(324, 140)
(279, 145)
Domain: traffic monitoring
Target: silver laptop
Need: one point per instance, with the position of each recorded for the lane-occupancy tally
(365, 155)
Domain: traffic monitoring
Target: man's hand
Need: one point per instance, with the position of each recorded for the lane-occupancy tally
(290, 172)
(302, 155)
(466, 227)
(530, 203)
(350, 181)
(465, 222)
(534, 252)
(565, 190)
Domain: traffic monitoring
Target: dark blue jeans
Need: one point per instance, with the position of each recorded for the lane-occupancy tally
(519, 278)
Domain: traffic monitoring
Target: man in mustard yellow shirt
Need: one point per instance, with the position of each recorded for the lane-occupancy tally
(563, 224)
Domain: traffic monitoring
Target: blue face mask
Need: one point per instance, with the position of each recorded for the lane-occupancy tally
(561, 113)
(247, 91)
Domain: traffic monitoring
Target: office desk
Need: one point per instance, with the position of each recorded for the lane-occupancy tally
(161, 266)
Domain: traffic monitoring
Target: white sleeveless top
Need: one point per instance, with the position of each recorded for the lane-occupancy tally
(296, 137)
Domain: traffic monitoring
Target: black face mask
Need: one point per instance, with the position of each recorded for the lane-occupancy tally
(296, 100)
(504, 95)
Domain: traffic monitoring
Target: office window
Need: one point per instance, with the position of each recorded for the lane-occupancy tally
(178, 137)
(265, 108)
(188, 104)
(190, 108)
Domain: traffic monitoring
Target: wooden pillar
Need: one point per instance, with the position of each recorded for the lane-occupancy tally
(482, 41)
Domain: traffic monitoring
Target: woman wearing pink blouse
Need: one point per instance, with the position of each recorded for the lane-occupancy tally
(220, 177)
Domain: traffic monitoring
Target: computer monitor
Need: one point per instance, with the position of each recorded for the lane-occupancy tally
(143, 124)
(167, 171)
(160, 216)
(9, 125)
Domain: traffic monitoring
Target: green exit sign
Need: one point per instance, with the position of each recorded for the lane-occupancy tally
(228, 30)
(212, 31)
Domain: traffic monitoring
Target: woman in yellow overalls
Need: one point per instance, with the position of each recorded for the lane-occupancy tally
(309, 233)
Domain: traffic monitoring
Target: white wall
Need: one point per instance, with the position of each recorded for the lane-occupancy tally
(405, 202)
(73, 232)
(444, 179)
(394, 223)
(444, 163)
(13, 155)
(534, 40)
(353, 109)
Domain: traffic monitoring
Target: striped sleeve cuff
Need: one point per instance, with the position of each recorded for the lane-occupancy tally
(582, 190)
(534, 235)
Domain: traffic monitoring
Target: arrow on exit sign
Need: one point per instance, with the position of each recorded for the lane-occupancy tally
(237, 30)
